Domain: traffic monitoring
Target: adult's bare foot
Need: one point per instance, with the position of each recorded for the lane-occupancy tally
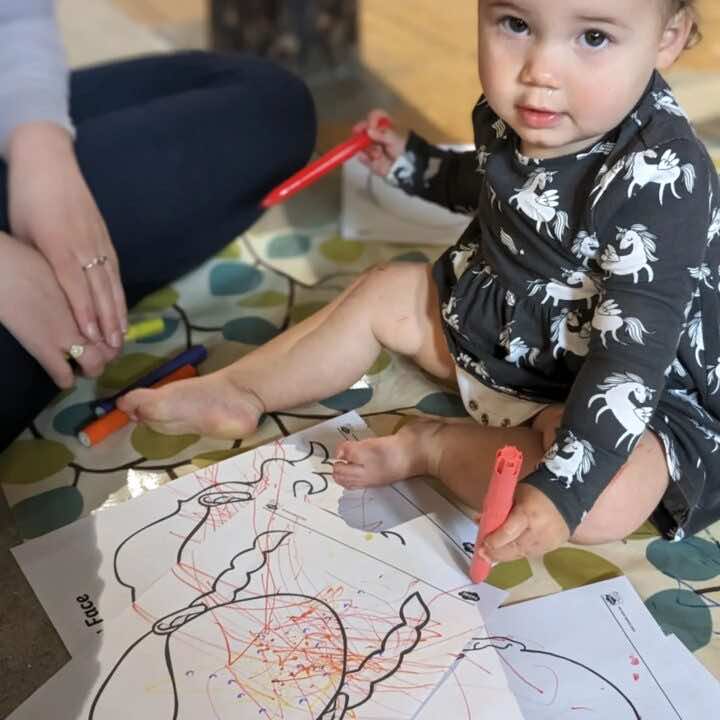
(210, 405)
(382, 461)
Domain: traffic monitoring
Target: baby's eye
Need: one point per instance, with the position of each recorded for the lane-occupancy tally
(595, 39)
(515, 25)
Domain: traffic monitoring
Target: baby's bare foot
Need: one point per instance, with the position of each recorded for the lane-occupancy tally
(385, 460)
(209, 405)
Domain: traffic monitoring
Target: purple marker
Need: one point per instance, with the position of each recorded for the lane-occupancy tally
(192, 356)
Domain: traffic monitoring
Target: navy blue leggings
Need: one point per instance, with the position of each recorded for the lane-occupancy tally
(178, 151)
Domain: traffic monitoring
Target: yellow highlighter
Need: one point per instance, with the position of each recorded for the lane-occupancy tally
(145, 329)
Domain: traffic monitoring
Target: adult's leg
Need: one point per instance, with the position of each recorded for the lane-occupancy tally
(178, 150)
(393, 306)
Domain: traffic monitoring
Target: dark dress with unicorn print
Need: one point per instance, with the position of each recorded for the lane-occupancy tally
(591, 280)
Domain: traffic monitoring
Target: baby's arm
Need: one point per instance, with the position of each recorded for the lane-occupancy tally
(652, 254)
(445, 177)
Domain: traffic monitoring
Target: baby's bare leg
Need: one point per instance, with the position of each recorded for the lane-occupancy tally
(393, 306)
(461, 456)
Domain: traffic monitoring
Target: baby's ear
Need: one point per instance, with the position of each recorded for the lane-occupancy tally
(674, 39)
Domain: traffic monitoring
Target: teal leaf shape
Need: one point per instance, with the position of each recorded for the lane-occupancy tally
(171, 325)
(250, 330)
(348, 400)
(412, 256)
(288, 246)
(234, 278)
(442, 404)
(73, 418)
(682, 613)
(47, 511)
(689, 559)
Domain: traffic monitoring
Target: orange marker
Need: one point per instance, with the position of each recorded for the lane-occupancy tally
(105, 426)
(497, 504)
(322, 166)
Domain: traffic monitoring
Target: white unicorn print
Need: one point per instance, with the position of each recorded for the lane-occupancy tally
(697, 339)
(586, 246)
(482, 157)
(517, 349)
(701, 274)
(601, 148)
(713, 377)
(691, 398)
(635, 117)
(671, 457)
(510, 298)
(666, 172)
(449, 315)
(485, 269)
(714, 229)
(666, 101)
(677, 368)
(492, 194)
(578, 285)
(478, 367)
(509, 243)
(605, 178)
(713, 437)
(621, 392)
(608, 318)
(500, 129)
(462, 256)
(540, 204)
(571, 461)
(403, 171)
(641, 243)
(570, 334)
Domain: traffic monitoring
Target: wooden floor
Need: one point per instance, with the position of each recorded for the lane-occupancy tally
(424, 53)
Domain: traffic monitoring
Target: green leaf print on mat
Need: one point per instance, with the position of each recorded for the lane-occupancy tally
(305, 310)
(156, 446)
(232, 252)
(48, 511)
(572, 568)
(348, 400)
(288, 246)
(510, 574)
(644, 532)
(73, 418)
(689, 559)
(215, 456)
(382, 362)
(269, 298)
(234, 279)
(683, 613)
(28, 461)
(342, 251)
(250, 330)
(442, 404)
(158, 301)
(412, 256)
(128, 368)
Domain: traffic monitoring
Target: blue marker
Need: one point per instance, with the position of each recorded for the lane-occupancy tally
(192, 356)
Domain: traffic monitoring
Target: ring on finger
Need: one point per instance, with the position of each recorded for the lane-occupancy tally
(95, 262)
(75, 351)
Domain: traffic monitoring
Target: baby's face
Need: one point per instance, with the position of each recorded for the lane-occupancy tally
(562, 73)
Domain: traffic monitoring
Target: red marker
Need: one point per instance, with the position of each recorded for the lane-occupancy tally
(322, 166)
(497, 504)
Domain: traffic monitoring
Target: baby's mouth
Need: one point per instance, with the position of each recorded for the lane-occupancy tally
(538, 117)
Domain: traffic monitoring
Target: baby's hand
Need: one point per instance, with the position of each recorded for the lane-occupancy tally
(388, 145)
(533, 528)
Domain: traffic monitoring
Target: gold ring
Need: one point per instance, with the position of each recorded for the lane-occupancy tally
(95, 262)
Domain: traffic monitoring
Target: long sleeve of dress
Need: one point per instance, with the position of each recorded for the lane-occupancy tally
(651, 247)
(448, 178)
(33, 68)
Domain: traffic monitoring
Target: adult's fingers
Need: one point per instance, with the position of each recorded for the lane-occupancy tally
(515, 525)
(71, 277)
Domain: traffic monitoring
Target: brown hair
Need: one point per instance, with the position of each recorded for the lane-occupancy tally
(689, 7)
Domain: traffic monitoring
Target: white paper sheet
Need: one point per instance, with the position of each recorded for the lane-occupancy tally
(89, 572)
(591, 652)
(374, 210)
(274, 617)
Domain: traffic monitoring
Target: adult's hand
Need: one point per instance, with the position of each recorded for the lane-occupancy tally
(34, 309)
(51, 207)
